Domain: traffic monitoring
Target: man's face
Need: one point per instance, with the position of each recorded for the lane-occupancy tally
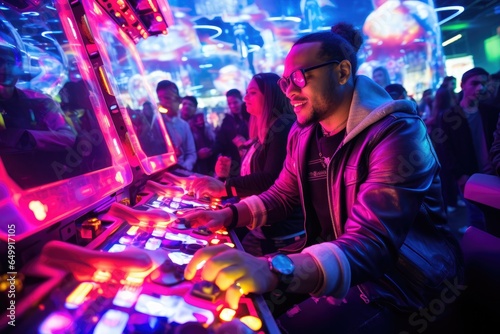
(234, 104)
(169, 100)
(474, 87)
(317, 99)
(9, 69)
(188, 109)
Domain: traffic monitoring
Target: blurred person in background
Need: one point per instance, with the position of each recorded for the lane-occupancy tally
(233, 131)
(381, 76)
(177, 128)
(270, 122)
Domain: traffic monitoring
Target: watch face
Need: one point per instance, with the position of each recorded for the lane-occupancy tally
(282, 264)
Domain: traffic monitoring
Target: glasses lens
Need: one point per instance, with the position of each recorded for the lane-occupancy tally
(283, 83)
(298, 79)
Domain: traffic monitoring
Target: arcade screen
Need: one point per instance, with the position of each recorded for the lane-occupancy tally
(59, 152)
(134, 95)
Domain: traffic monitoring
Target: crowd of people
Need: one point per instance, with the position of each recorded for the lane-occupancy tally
(336, 230)
(339, 184)
(365, 258)
(461, 126)
(376, 248)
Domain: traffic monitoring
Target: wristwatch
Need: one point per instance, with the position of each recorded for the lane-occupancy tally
(284, 267)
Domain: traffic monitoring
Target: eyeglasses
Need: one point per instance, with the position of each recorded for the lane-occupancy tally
(298, 77)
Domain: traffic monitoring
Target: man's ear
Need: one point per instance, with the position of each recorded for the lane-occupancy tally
(345, 70)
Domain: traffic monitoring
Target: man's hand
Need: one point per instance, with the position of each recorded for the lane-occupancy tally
(223, 166)
(234, 271)
(207, 185)
(214, 220)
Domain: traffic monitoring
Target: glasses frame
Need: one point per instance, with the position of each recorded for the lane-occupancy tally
(290, 79)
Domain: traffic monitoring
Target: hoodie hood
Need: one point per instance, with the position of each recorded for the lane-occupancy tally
(370, 103)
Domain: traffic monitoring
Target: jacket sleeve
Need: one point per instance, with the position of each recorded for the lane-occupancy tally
(273, 156)
(397, 194)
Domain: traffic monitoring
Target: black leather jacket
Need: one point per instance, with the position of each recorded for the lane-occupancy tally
(386, 209)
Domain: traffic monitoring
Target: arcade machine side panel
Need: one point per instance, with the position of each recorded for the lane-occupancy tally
(70, 161)
(73, 159)
(104, 291)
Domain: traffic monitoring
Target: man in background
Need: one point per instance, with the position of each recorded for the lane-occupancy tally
(178, 129)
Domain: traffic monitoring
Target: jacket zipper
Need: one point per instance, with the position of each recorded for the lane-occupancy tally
(328, 189)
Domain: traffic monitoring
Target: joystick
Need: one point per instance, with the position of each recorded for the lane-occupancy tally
(205, 290)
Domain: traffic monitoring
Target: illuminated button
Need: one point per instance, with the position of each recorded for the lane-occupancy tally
(125, 240)
(112, 322)
(227, 314)
(127, 296)
(153, 244)
(215, 241)
(180, 258)
(57, 322)
(159, 232)
(190, 240)
(175, 236)
(117, 248)
(252, 322)
(77, 297)
(230, 244)
(132, 230)
(165, 306)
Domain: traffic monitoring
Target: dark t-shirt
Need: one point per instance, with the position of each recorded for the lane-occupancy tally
(321, 148)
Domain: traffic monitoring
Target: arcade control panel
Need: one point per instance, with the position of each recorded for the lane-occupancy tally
(130, 279)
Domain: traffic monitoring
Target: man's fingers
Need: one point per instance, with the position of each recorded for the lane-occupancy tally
(228, 276)
(234, 293)
(201, 257)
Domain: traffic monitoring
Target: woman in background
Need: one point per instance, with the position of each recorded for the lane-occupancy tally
(270, 122)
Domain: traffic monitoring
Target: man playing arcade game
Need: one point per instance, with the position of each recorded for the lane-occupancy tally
(377, 255)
